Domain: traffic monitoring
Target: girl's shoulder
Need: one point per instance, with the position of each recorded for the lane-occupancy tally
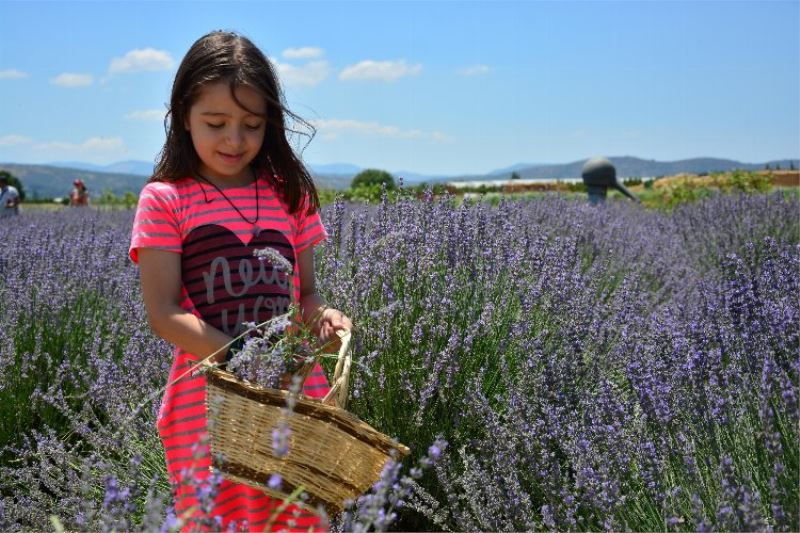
(178, 187)
(167, 196)
(172, 193)
(274, 188)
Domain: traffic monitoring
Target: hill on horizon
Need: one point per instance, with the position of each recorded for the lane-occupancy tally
(45, 181)
(50, 181)
(630, 167)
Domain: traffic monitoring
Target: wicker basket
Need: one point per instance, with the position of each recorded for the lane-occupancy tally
(333, 455)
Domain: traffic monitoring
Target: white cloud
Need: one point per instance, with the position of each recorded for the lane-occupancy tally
(70, 79)
(103, 143)
(91, 146)
(379, 70)
(306, 52)
(140, 60)
(11, 140)
(147, 115)
(309, 75)
(331, 129)
(12, 74)
(474, 70)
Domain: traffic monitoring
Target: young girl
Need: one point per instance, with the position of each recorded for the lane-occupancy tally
(227, 184)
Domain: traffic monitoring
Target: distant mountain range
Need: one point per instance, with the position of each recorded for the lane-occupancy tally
(142, 168)
(45, 181)
(55, 180)
(628, 167)
(51, 181)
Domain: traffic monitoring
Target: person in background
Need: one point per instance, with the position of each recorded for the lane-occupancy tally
(9, 199)
(79, 196)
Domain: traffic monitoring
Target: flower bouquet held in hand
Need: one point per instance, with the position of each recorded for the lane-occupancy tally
(269, 354)
(327, 453)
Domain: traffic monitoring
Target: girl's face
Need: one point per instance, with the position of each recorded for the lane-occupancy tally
(225, 136)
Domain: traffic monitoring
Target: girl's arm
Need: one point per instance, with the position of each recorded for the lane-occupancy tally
(160, 274)
(323, 320)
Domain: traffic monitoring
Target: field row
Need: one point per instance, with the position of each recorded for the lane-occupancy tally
(591, 368)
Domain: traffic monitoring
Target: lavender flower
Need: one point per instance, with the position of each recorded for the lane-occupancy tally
(275, 258)
(275, 481)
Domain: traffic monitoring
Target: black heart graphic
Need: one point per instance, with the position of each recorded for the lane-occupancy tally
(227, 284)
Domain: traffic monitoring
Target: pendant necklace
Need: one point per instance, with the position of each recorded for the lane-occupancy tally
(255, 228)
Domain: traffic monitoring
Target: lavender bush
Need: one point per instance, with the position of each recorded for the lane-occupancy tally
(540, 339)
(590, 368)
(78, 359)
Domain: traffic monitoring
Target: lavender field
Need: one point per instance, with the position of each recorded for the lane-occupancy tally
(591, 368)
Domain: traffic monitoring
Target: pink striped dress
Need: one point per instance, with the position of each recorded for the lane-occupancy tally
(224, 285)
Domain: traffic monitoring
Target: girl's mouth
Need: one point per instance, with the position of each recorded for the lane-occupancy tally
(230, 159)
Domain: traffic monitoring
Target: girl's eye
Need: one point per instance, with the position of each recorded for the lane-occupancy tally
(254, 128)
(215, 126)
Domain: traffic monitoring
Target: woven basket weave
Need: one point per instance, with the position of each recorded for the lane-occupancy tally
(333, 455)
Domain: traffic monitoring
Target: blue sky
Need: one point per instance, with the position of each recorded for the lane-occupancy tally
(428, 87)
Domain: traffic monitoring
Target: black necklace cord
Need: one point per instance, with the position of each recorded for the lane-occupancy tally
(205, 195)
(203, 178)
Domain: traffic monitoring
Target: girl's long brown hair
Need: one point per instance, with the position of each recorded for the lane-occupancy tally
(229, 57)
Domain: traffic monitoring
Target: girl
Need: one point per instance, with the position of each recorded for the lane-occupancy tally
(227, 183)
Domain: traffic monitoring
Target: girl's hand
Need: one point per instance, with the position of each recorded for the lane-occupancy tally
(329, 322)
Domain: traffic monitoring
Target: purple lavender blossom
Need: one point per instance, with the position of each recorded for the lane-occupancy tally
(275, 481)
(275, 258)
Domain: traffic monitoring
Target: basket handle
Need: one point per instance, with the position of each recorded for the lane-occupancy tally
(338, 394)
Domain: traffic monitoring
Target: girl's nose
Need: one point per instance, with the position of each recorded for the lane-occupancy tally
(234, 136)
